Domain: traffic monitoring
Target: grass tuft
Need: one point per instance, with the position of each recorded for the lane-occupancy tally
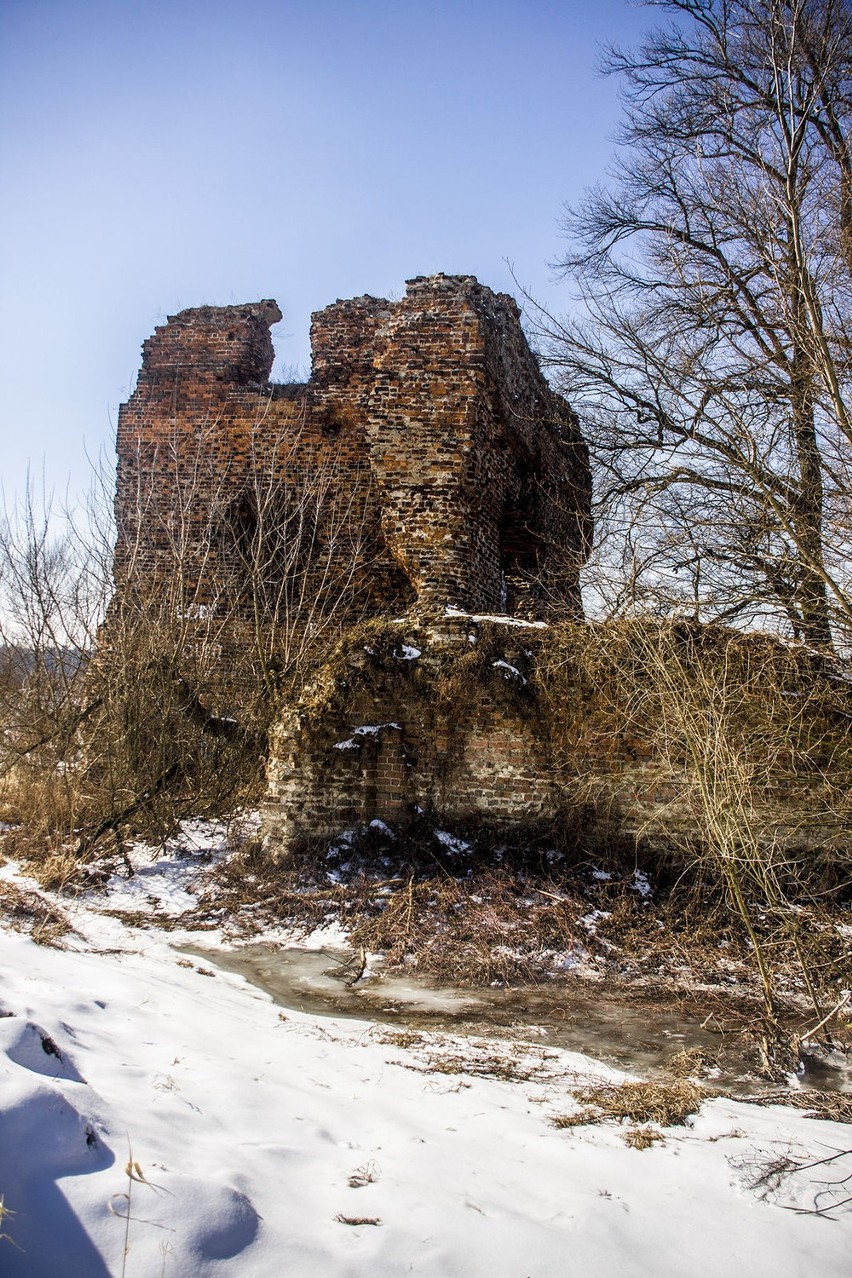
(668, 1104)
(833, 1107)
(643, 1137)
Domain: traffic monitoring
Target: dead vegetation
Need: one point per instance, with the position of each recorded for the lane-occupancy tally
(728, 726)
(368, 1174)
(124, 710)
(29, 912)
(834, 1107)
(478, 909)
(668, 1104)
(643, 1138)
(730, 754)
(808, 1185)
(688, 1063)
(523, 1064)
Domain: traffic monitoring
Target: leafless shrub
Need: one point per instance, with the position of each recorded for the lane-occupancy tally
(126, 715)
(811, 1186)
(748, 739)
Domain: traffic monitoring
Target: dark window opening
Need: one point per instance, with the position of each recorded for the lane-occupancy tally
(520, 550)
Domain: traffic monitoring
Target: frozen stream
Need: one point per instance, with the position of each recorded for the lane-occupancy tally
(635, 1031)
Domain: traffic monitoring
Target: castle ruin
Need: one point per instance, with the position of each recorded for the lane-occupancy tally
(424, 478)
(425, 469)
(439, 467)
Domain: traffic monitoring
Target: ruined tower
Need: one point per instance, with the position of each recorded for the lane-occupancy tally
(425, 462)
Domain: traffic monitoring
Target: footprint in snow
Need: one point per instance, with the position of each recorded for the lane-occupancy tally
(32, 1048)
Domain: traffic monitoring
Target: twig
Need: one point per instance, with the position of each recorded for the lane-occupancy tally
(843, 1001)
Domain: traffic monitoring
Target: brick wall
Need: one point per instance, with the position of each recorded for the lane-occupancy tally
(462, 719)
(435, 463)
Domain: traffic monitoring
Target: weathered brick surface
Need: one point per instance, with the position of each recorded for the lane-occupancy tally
(388, 738)
(425, 463)
(453, 717)
(426, 427)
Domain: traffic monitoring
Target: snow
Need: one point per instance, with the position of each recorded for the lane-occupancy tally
(502, 619)
(408, 653)
(641, 884)
(452, 843)
(590, 921)
(511, 672)
(151, 1098)
(366, 730)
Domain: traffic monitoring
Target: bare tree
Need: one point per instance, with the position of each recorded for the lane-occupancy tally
(131, 707)
(711, 357)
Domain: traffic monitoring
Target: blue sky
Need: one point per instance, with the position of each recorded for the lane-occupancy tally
(159, 154)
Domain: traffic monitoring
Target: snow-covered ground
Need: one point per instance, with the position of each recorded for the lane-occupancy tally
(161, 1117)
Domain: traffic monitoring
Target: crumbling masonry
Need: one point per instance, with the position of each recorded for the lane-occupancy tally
(425, 466)
(449, 472)
(424, 476)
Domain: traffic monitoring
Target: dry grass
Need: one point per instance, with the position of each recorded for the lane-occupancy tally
(41, 805)
(436, 1053)
(667, 1104)
(451, 915)
(28, 912)
(511, 909)
(643, 1137)
(405, 1038)
(6, 1213)
(472, 930)
(531, 1066)
(834, 1107)
(509, 912)
(583, 1118)
(688, 1063)
(368, 1174)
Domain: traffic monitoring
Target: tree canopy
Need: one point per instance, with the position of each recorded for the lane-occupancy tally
(711, 355)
